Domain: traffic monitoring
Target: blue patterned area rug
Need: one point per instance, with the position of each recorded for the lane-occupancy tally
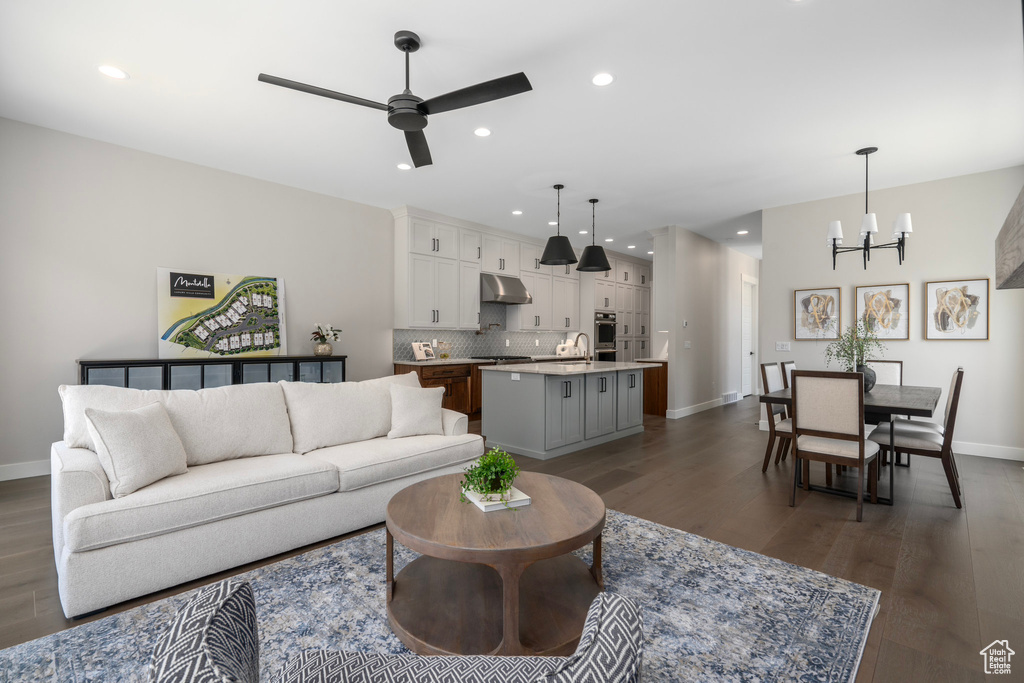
(711, 612)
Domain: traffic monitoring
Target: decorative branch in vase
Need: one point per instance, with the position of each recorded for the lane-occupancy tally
(853, 348)
(323, 335)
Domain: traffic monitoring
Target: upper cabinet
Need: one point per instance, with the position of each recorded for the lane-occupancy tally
(470, 246)
(529, 258)
(643, 275)
(500, 255)
(624, 272)
(608, 274)
(566, 271)
(433, 239)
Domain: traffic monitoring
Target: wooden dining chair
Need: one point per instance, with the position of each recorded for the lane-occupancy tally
(888, 372)
(772, 380)
(788, 366)
(919, 437)
(828, 426)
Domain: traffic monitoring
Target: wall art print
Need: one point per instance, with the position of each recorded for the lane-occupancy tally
(956, 309)
(816, 313)
(203, 315)
(884, 309)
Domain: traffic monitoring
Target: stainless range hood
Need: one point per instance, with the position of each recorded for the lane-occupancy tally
(503, 289)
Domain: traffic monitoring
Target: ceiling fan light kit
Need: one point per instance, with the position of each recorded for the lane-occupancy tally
(406, 111)
(901, 228)
(558, 251)
(593, 260)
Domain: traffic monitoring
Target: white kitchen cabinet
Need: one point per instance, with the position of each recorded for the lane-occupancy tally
(565, 304)
(608, 274)
(470, 246)
(624, 298)
(599, 404)
(624, 272)
(643, 275)
(529, 258)
(433, 239)
(500, 255)
(469, 295)
(604, 294)
(643, 324)
(643, 347)
(563, 411)
(624, 324)
(645, 299)
(433, 292)
(625, 350)
(533, 316)
(631, 398)
(567, 271)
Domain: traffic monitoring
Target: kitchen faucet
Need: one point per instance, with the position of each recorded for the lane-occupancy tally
(576, 344)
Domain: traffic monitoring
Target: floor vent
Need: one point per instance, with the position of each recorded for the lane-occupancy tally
(730, 397)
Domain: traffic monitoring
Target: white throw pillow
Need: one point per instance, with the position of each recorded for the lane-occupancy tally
(333, 414)
(415, 411)
(135, 447)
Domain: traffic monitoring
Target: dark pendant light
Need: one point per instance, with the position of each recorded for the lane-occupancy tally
(558, 251)
(594, 260)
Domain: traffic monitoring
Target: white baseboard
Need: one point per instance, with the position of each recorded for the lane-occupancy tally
(984, 450)
(691, 410)
(987, 450)
(21, 470)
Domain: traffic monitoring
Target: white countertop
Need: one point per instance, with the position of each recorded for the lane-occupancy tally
(563, 369)
(652, 360)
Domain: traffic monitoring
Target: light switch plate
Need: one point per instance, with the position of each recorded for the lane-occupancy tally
(687, 345)
(507, 343)
(536, 342)
(515, 376)
(782, 346)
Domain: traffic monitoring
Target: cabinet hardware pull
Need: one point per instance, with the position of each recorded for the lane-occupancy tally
(478, 252)
(627, 329)
(626, 279)
(606, 302)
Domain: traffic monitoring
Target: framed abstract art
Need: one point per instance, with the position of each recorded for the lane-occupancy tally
(816, 313)
(956, 309)
(884, 310)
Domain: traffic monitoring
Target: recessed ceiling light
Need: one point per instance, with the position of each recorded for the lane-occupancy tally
(608, 239)
(482, 132)
(404, 167)
(632, 246)
(650, 252)
(583, 232)
(552, 222)
(113, 72)
(517, 212)
(742, 232)
(602, 79)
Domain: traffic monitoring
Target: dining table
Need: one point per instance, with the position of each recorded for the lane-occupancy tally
(884, 400)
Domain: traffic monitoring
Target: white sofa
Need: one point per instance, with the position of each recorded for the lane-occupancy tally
(270, 468)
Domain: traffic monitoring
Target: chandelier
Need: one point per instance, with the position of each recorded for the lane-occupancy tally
(901, 228)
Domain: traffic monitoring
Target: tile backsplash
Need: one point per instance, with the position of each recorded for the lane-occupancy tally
(467, 343)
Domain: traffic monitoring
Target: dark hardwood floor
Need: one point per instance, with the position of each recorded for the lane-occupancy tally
(952, 581)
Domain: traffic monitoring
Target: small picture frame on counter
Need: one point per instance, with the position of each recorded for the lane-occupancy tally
(422, 351)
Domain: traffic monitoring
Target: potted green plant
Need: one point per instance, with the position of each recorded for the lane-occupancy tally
(491, 476)
(854, 347)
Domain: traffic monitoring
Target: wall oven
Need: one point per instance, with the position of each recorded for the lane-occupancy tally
(604, 335)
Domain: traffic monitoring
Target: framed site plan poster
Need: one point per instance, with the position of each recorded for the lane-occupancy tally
(884, 310)
(816, 313)
(956, 309)
(203, 315)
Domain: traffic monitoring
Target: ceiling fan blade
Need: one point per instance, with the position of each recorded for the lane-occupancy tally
(478, 94)
(418, 148)
(322, 92)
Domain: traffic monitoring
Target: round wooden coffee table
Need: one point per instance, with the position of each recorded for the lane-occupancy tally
(499, 582)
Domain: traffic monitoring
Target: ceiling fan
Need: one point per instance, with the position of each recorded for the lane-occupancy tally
(408, 112)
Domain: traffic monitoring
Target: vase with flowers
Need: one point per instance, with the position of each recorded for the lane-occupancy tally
(323, 335)
(853, 349)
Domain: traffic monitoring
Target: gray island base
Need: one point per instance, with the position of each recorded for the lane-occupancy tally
(544, 410)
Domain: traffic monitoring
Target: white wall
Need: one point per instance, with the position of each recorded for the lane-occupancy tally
(85, 224)
(700, 283)
(955, 224)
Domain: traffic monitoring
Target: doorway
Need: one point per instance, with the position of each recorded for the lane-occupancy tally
(747, 364)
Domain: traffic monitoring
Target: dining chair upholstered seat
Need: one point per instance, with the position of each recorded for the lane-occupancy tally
(784, 426)
(843, 449)
(916, 437)
(828, 425)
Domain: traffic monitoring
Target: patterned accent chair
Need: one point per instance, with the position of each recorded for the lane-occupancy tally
(214, 639)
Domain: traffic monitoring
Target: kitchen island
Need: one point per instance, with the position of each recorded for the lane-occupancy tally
(544, 410)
